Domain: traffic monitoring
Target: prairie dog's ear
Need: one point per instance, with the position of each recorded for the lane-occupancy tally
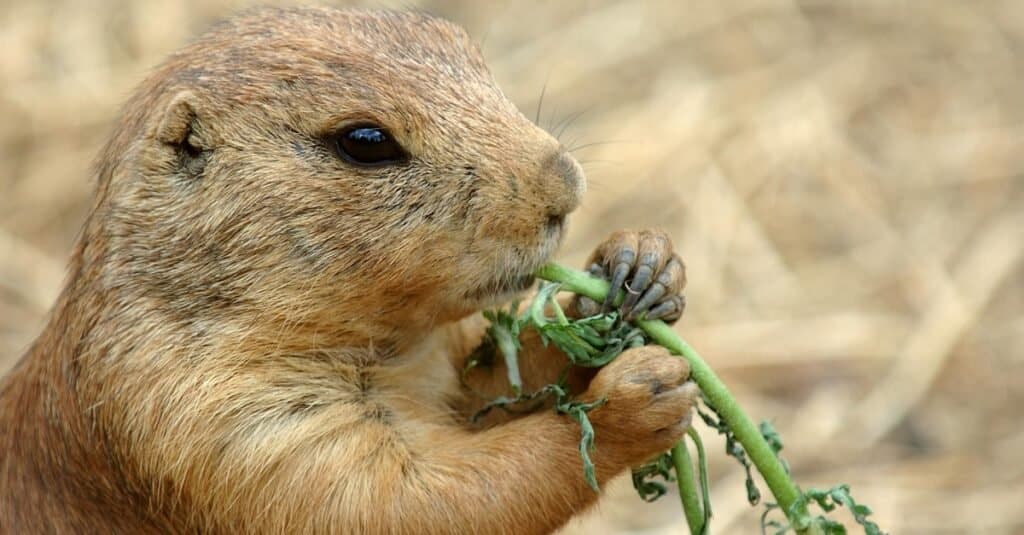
(181, 134)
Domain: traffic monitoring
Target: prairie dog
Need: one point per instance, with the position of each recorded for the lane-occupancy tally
(296, 221)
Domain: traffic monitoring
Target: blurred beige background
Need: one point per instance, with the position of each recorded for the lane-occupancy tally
(843, 178)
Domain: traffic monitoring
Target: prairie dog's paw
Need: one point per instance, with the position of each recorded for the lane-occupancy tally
(648, 404)
(646, 267)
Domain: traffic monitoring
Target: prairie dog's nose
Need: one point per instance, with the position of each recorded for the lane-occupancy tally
(566, 184)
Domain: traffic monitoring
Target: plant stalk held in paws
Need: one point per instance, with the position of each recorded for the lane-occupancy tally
(595, 341)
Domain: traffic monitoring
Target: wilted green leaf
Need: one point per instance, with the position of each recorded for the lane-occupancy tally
(734, 449)
(643, 478)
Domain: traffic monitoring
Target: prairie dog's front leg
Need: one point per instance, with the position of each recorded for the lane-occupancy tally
(414, 476)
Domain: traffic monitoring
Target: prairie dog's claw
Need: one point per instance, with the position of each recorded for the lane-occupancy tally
(644, 265)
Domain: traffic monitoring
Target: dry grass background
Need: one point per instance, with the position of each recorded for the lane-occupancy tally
(844, 179)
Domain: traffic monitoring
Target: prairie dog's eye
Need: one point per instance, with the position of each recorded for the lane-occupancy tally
(369, 145)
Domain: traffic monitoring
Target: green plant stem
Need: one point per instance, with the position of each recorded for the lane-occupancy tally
(705, 485)
(507, 345)
(782, 487)
(687, 488)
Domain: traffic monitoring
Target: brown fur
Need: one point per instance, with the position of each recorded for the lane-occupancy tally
(255, 336)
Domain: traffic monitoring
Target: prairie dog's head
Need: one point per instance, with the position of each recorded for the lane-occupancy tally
(327, 168)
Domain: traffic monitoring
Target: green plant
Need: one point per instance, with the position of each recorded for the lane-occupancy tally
(595, 341)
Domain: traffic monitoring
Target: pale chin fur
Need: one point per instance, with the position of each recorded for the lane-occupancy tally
(549, 244)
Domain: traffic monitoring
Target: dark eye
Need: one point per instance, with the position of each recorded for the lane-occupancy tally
(368, 145)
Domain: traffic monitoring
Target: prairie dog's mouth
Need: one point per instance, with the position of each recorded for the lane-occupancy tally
(516, 277)
(519, 284)
(554, 225)
(502, 286)
(513, 280)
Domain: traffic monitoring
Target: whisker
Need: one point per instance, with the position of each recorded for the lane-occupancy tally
(540, 101)
(551, 117)
(572, 118)
(562, 125)
(588, 162)
(594, 144)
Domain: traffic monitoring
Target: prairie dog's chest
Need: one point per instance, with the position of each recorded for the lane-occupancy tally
(420, 385)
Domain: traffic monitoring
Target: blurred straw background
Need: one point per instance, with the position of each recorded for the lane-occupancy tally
(843, 178)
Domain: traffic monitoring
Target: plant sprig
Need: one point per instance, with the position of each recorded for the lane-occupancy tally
(827, 500)
(596, 341)
(760, 444)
